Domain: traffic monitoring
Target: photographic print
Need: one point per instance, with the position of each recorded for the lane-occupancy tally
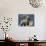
(26, 19)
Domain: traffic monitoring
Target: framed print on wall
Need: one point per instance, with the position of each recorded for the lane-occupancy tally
(26, 19)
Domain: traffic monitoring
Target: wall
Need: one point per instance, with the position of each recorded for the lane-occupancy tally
(11, 8)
